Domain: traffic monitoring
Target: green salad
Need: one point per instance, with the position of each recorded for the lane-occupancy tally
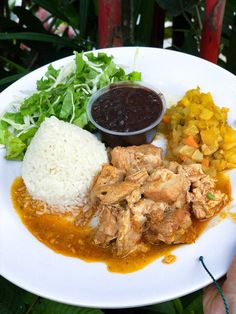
(63, 93)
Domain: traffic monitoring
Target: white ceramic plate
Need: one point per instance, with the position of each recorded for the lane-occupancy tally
(31, 265)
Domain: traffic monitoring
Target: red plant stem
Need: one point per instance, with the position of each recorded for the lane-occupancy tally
(212, 28)
(109, 23)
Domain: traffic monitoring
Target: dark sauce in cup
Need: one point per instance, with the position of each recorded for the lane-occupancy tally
(126, 108)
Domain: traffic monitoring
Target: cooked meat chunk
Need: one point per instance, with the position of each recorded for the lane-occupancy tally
(206, 201)
(166, 186)
(143, 208)
(107, 229)
(139, 196)
(134, 197)
(171, 229)
(108, 175)
(85, 215)
(134, 158)
(173, 166)
(193, 172)
(138, 177)
(115, 193)
(129, 234)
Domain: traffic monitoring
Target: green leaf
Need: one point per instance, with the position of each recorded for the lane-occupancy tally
(12, 78)
(177, 7)
(18, 67)
(83, 15)
(195, 307)
(53, 39)
(30, 105)
(79, 63)
(162, 308)
(14, 148)
(3, 133)
(48, 79)
(67, 106)
(81, 121)
(14, 300)
(143, 30)
(231, 51)
(134, 76)
(49, 307)
(178, 306)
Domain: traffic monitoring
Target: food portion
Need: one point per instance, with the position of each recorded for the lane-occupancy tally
(198, 132)
(140, 198)
(124, 206)
(138, 207)
(127, 108)
(62, 93)
(61, 163)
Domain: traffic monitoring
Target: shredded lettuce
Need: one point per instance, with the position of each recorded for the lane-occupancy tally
(63, 93)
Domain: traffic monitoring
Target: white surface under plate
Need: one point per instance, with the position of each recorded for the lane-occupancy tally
(33, 266)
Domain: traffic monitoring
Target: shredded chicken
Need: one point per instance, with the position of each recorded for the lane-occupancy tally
(129, 234)
(140, 198)
(206, 201)
(107, 228)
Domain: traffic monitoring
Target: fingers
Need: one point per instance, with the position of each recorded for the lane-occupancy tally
(230, 283)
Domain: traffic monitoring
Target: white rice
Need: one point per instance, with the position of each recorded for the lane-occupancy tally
(61, 162)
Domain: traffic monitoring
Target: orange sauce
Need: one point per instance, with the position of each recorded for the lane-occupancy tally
(60, 234)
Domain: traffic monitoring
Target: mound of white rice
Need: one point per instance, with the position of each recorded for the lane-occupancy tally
(61, 162)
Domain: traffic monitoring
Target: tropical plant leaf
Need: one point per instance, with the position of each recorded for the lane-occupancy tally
(176, 7)
(11, 78)
(9, 25)
(178, 306)
(14, 65)
(62, 9)
(39, 37)
(231, 50)
(83, 15)
(45, 306)
(13, 299)
(29, 20)
(143, 30)
(162, 308)
(195, 307)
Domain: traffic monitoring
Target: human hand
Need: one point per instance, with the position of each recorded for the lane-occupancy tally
(212, 301)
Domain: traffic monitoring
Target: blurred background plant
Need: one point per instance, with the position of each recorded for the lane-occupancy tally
(36, 32)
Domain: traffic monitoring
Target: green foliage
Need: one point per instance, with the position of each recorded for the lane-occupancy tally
(14, 300)
(177, 7)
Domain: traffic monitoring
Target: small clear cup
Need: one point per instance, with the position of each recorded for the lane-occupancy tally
(139, 137)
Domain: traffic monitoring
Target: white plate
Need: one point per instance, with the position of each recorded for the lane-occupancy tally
(31, 265)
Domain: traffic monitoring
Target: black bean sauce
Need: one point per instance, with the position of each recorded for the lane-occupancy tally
(127, 109)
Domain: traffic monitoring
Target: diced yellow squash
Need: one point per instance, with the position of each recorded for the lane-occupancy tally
(197, 156)
(197, 117)
(186, 150)
(206, 114)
